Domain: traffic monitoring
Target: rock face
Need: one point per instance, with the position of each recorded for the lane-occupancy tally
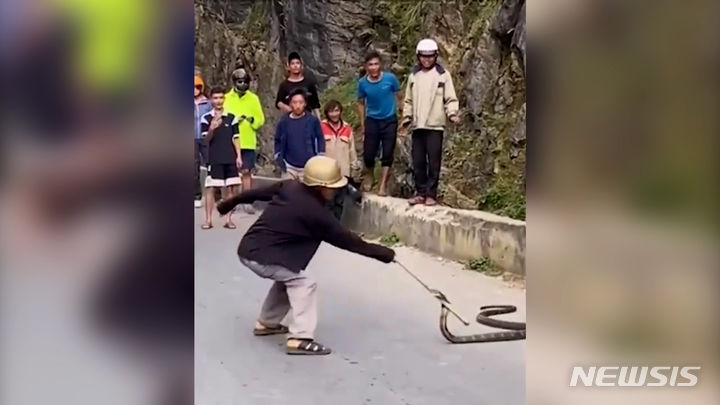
(482, 44)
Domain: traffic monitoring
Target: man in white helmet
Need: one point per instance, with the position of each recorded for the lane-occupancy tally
(429, 101)
(281, 243)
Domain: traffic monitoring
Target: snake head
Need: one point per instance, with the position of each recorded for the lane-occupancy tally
(440, 296)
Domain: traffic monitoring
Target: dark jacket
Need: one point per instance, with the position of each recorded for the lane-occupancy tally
(292, 226)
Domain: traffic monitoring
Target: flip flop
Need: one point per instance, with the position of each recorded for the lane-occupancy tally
(206, 226)
(308, 348)
(229, 226)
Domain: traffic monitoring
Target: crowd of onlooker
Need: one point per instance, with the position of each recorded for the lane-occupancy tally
(227, 121)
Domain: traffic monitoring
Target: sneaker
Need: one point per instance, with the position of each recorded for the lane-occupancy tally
(198, 203)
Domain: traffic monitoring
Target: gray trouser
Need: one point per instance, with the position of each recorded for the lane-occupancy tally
(296, 291)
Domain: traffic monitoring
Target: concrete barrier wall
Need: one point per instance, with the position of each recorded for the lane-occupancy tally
(448, 232)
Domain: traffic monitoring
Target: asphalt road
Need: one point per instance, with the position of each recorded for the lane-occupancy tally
(381, 325)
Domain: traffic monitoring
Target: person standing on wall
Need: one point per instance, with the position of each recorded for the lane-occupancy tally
(429, 98)
(202, 107)
(297, 80)
(377, 111)
(245, 105)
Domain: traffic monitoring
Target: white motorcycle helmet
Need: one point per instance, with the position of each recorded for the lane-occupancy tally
(427, 47)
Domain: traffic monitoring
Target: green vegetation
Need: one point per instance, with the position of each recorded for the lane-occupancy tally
(504, 197)
(406, 21)
(390, 239)
(256, 25)
(484, 265)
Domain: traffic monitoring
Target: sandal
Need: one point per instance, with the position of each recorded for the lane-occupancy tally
(430, 201)
(308, 347)
(206, 226)
(267, 330)
(229, 226)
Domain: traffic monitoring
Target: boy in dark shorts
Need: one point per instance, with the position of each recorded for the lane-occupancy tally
(221, 129)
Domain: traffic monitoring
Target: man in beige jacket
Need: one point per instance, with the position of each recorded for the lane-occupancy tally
(429, 99)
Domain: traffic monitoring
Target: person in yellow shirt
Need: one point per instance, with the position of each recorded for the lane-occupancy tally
(245, 105)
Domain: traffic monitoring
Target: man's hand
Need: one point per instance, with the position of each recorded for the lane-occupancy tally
(239, 162)
(385, 254)
(225, 206)
(454, 118)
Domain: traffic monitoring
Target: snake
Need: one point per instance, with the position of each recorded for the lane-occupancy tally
(511, 330)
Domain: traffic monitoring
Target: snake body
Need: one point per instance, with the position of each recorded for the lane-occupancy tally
(513, 330)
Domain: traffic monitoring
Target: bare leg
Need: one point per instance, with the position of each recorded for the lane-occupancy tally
(227, 193)
(247, 185)
(209, 204)
(384, 175)
(246, 181)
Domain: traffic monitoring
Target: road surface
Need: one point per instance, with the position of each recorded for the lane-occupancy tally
(381, 325)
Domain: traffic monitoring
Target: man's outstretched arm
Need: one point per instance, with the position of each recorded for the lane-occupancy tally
(330, 230)
(250, 196)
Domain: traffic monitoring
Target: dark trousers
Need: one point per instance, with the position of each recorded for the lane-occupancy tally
(379, 133)
(427, 157)
(201, 159)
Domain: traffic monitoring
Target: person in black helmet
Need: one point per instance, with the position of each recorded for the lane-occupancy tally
(281, 243)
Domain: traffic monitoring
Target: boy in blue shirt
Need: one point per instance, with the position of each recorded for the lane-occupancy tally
(377, 109)
(298, 137)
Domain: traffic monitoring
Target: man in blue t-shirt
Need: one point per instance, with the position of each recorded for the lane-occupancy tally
(377, 109)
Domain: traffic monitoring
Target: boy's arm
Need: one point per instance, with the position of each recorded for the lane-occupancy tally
(407, 112)
(257, 115)
(360, 107)
(250, 196)
(451, 101)
(353, 151)
(278, 100)
(319, 138)
(236, 141)
(280, 142)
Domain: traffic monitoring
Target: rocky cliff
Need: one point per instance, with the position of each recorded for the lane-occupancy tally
(482, 43)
